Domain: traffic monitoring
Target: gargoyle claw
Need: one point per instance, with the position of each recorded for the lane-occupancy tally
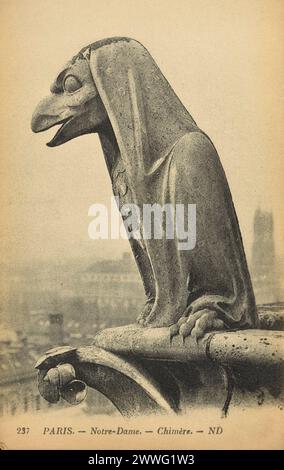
(196, 325)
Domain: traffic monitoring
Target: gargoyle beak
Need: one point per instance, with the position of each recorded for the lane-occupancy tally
(45, 115)
(49, 113)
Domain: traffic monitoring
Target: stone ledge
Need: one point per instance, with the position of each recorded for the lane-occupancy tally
(141, 370)
(230, 347)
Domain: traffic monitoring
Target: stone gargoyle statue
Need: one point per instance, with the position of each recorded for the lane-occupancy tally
(156, 154)
(175, 357)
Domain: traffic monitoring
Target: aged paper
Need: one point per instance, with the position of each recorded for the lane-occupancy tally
(60, 286)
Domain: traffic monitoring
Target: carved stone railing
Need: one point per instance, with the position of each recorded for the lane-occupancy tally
(141, 370)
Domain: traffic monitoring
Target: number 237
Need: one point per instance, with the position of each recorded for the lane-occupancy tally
(23, 430)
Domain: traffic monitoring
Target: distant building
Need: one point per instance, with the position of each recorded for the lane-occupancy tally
(18, 384)
(263, 264)
(56, 333)
(47, 307)
(113, 283)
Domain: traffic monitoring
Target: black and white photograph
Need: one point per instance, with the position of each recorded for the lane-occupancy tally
(142, 260)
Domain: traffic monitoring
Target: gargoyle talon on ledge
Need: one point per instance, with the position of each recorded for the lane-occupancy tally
(133, 367)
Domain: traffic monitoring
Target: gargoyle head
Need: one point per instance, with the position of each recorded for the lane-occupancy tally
(74, 104)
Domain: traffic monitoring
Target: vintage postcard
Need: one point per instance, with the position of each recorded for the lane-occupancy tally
(142, 262)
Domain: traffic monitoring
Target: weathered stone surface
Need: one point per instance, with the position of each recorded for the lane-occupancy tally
(232, 347)
(141, 371)
(50, 358)
(258, 347)
(131, 386)
(271, 316)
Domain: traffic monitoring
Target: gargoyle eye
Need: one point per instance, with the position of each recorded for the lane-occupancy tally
(71, 84)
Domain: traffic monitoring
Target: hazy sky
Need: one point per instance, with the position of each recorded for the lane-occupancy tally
(224, 59)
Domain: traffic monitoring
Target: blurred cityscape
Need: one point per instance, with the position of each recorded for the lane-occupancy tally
(46, 305)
